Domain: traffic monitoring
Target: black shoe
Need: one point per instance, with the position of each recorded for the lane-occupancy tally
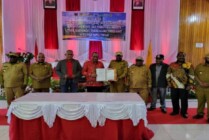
(151, 109)
(198, 116)
(184, 116)
(174, 113)
(163, 110)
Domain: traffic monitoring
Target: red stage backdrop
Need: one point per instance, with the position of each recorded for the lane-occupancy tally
(137, 30)
(116, 7)
(72, 5)
(50, 29)
(95, 46)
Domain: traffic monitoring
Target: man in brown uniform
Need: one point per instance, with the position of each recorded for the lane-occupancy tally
(202, 88)
(41, 72)
(121, 67)
(14, 78)
(139, 79)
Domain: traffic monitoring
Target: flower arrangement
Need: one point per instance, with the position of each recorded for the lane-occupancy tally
(22, 57)
(193, 89)
(192, 92)
(2, 92)
(26, 57)
(55, 84)
(186, 65)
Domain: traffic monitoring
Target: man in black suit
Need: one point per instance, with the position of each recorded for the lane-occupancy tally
(159, 82)
(69, 71)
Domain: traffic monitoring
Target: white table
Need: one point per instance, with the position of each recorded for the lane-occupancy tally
(97, 108)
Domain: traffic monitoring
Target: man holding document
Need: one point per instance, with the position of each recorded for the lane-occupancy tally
(90, 72)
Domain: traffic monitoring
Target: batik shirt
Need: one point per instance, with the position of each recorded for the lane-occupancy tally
(180, 75)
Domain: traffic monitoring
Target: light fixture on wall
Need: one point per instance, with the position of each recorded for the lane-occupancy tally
(193, 18)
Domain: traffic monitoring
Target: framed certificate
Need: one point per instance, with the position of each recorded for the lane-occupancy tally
(137, 4)
(50, 4)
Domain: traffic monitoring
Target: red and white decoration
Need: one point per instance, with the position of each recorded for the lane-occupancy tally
(25, 23)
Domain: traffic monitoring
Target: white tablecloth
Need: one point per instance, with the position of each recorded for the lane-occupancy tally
(97, 107)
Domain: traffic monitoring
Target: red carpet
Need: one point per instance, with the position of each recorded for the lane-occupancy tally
(3, 118)
(157, 117)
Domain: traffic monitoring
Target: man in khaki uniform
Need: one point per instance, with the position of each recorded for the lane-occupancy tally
(41, 72)
(139, 79)
(121, 67)
(202, 88)
(14, 78)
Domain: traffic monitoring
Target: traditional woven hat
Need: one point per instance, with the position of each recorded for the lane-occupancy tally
(10, 54)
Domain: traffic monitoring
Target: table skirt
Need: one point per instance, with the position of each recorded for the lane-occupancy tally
(80, 129)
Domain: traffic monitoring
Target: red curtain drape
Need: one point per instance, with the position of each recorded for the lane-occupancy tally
(50, 29)
(36, 51)
(117, 5)
(137, 30)
(72, 5)
(95, 46)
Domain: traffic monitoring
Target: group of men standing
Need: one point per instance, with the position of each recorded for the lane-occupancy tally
(14, 76)
(179, 76)
(137, 78)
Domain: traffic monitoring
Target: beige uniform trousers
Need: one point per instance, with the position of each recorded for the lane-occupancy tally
(13, 93)
(143, 93)
(202, 98)
(118, 86)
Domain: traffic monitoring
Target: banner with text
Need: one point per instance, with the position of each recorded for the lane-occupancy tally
(93, 25)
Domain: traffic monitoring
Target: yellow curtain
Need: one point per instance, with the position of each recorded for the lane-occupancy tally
(149, 55)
